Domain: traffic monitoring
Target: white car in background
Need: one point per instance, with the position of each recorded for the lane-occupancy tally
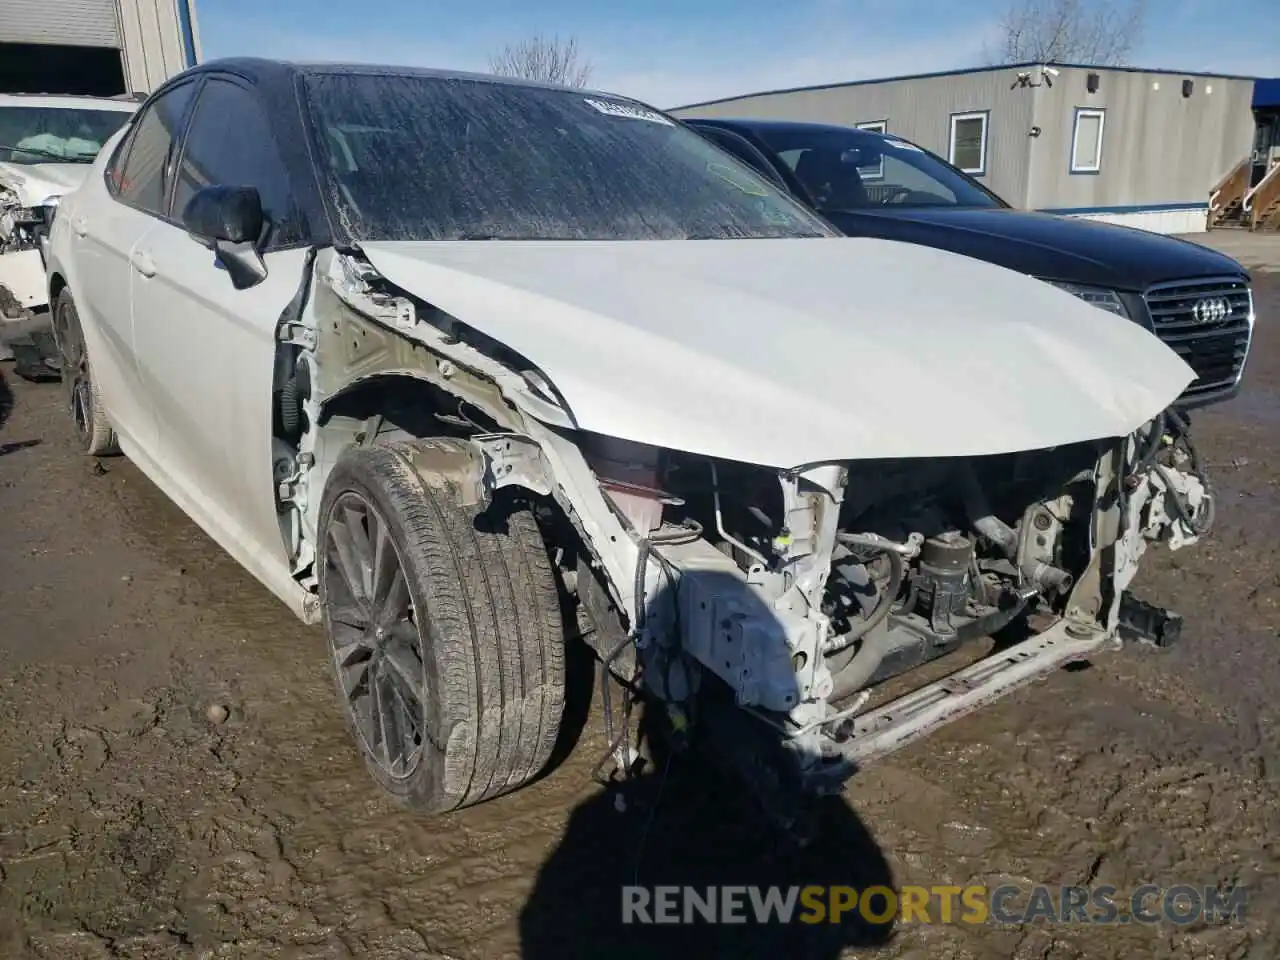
(435, 356)
(47, 144)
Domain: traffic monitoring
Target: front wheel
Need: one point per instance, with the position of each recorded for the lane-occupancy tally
(445, 631)
(93, 430)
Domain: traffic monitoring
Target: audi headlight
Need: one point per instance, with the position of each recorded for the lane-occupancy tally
(1100, 297)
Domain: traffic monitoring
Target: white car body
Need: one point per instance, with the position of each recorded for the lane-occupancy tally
(733, 309)
(797, 361)
(30, 192)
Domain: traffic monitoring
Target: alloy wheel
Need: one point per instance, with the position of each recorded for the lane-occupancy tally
(374, 635)
(76, 377)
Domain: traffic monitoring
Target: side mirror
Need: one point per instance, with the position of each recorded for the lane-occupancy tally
(230, 220)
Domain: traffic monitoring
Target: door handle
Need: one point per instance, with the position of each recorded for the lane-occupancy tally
(80, 225)
(143, 263)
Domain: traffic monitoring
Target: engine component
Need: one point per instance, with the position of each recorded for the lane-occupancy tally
(896, 553)
(628, 474)
(942, 582)
(1038, 537)
(983, 517)
(604, 631)
(1180, 509)
(1147, 623)
(294, 393)
(21, 228)
(726, 625)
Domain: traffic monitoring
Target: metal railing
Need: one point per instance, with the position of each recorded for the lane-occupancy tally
(1258, 201)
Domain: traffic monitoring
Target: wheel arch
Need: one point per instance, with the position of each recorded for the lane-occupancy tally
(504, 449)
(413, 399)
(57, 283)
(483, 453)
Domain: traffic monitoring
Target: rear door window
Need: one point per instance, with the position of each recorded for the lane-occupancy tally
(140, 174)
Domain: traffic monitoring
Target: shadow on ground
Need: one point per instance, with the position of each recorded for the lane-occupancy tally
(683, 823)
(685, 830)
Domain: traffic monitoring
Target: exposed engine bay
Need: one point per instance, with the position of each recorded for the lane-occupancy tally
(796, 595)
(23, 232)
(22, 227)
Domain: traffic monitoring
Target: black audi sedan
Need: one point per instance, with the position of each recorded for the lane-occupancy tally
(870, 184)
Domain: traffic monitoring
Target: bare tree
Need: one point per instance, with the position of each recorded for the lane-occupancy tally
(545, 59)
(1102, 32)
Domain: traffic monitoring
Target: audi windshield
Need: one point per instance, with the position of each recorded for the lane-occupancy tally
(847, 169)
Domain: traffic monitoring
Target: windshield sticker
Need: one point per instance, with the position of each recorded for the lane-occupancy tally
(902, 145)
(630, 111)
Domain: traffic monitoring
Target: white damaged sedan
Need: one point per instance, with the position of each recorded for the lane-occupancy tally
(463, 368)
(46, 146)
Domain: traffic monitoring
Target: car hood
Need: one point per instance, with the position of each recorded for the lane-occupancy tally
(34, 183)
(1046, 246)
(799, 351)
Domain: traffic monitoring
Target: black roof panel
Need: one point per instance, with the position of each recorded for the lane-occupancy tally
(260, 70)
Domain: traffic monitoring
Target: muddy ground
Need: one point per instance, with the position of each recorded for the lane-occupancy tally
(133, 826)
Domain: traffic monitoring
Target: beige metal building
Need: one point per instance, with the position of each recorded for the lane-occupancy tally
(1141, 147)
(96, 47)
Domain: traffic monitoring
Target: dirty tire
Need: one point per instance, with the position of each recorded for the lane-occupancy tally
(92, 428)
(484, 607)
(6, 400)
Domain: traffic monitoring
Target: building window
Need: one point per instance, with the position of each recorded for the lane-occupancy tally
(874, 171)
(968, 145)
(1086, 140)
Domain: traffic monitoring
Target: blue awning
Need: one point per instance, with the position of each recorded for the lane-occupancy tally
(1266, 93)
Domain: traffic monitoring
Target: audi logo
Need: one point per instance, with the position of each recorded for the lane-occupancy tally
(1211, 310)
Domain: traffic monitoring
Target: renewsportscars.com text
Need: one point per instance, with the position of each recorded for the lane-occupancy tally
(1008, 904)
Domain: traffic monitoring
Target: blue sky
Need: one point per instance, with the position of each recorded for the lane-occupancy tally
(669, 53)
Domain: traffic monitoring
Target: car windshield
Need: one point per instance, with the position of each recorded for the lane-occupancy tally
(56, 134)
(847, 169)
(434, 158)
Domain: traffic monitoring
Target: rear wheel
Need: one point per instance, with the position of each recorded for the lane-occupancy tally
(6, 400)
(92, 427)
(445, 630)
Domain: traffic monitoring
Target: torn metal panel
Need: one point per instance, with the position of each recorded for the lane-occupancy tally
(900, 722)
(366, 352)
(352, 335)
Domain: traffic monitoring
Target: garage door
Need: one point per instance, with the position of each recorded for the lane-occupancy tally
(82, 23)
